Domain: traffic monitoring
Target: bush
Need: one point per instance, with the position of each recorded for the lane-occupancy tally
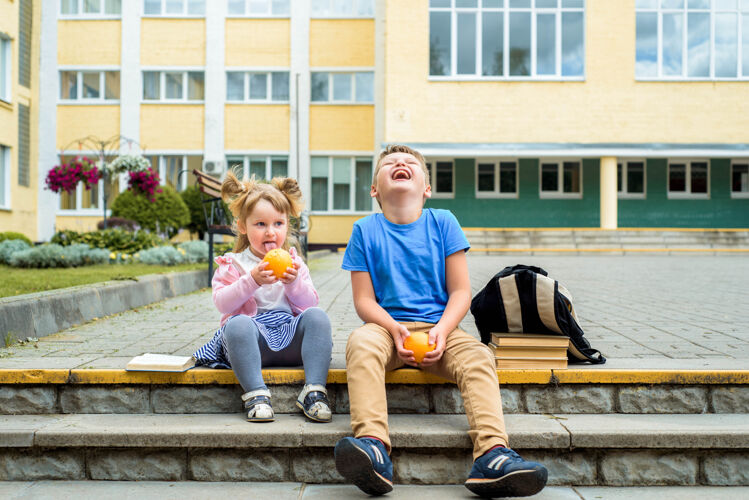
(165, 256)
(53, 255)
(9, 247)
(116, 240)
(167, 214)
(81, 254)
(192, 198)
(115, 222)
(195, 251)
(222, 248)
(10, 235)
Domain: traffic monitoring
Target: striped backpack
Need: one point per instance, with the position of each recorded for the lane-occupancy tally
(524, 299)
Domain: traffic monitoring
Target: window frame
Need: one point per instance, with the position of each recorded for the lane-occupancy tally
(496, 193)
(352, 156)
(268, 157)
(162, 85)
(626, 195)
(79, 100)
(431, 164)
(353, 71)
(712, 10)
(505, 9)
(80, 190)
(559, 194)
(92, 16)
(5, 176)
(331, 15)
(6, 71)
(249, 15)
(183, 14)
(737, 194)
(246, 85)
(687, 194)
(161, 168)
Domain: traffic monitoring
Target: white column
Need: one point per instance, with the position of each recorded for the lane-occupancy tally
(47, 201)
(608, 193)
(299, 95)
(131, 82)
(215, 81)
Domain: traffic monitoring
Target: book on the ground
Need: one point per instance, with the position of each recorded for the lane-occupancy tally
(160, 363)
(521, 351)
(530, 363)
(529, 352)
(529, 340)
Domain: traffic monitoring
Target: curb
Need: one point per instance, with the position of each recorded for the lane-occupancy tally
(44, 313)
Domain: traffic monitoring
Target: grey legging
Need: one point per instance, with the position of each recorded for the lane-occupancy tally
(248, 351)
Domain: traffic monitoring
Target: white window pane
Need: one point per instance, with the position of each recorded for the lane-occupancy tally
(439, 43)
(698, 44)
(441, 3)
(5, 69)
(152, 7)
(672, 44)
(258, 86)
(698, 4)
(520, 43)
(319, 87)
(363, 201)
(672, 4)
(646, 4)
(466, 3)
(492, 4)
(492, 34)
(365, 8)
(677, 178)
(3, 161)
(740, 178)
(571, 177)
(236, 165)
(443, 182)
(259, 7)
(319, 166)
(172, 166)
(234, 86)
(343, 7)
(573, 53)
(280, 7)
(546, 4)
(485, 177)
(646, 60)
(91, 85)
(745, 5)
(520, 4)
(365, 87)
(342, 86)
(196, 7)
(507, 177)
(92, 6)
(319, 178)
(466, 43)
(257, 167)
(573, 4)
(195, 86)
(90, 198)
(635, 177)
(68, 85)
(341, 170)
(726, 45)
(745, 44)
(174, 6)
(112, 85)
(546, 44)
(320, 8)
(725, 4)
(236, 7)
(151, 84)
(279, 167)
(549, 177)
(280, 86)
(69, 6)
(698, 174)
(112, 6)
(173, 85)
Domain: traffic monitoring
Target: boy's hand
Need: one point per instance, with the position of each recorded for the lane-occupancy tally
(291, 272)
(399, 335)
(437, 336)
(262, 275)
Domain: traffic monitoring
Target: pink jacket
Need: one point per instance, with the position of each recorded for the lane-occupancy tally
(233, 290)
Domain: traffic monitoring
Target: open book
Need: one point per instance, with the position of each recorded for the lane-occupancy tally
(160, 363)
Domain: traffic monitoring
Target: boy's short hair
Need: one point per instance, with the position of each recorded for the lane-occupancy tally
(400, 148)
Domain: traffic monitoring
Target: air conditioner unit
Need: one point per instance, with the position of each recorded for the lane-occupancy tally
(213, 167)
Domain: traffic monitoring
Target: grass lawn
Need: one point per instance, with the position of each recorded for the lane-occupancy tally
(17, 281)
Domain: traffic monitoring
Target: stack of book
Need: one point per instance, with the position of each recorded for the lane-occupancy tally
(521, 351)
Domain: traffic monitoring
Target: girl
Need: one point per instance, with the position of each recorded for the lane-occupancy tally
(267, 321)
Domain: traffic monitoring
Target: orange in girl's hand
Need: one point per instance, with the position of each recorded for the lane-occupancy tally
(418, 342)
(278, 260)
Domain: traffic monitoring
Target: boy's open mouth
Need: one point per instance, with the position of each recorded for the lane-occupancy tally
(269, 245)
(401, 174)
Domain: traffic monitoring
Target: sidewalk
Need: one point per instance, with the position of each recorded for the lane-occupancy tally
(643, 312)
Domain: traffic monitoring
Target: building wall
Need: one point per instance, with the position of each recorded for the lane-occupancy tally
(258, 42)
(172, 42)
(257, 127)
(88, 43)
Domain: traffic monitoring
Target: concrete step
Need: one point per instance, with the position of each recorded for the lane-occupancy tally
(576, 390)
(612, 449)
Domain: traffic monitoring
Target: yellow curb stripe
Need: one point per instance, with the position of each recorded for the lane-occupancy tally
(616, 249)
(31, 376)
(603, 376)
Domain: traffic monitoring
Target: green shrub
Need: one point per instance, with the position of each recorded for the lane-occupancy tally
(118, 222)
(222, 248)
(166, 215)
(163, 256)
(10, 235)
(54, 255)
(195, 251)
(192, 198)
(116, 240)
(9, 247)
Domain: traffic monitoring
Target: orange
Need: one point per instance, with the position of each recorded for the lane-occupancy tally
(418, 342)
(278, 260)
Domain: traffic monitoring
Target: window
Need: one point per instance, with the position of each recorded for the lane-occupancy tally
(174, 8)
(630, 179)
(496, 179)
(90, 8)
(441, 175)
(176, 170)
(561, 179)
(25, 37)
(250, 86)
(342, 88)
(341, 184)
(342, 8)
(740, 179)
(260, 166)
(4, 177)
(6, 67)
(692, 39)
(89, 86)
(688, 179)
(89, 201)
(258, 8)
(507, 39)
(173, 86)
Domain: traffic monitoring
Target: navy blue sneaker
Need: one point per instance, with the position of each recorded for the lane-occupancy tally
(503, 473)
(365, 463)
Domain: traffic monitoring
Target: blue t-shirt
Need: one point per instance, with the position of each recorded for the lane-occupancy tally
(407, 261)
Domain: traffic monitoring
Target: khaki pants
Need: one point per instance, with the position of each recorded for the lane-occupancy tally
(370, 352)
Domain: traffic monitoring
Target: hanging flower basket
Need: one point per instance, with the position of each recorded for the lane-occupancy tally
(128, 163)
(145, 182)
(65, 177)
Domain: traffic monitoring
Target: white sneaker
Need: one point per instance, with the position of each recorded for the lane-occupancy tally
(257, 404)
(313, 401)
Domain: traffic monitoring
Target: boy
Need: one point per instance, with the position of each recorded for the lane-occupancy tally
(409, 273)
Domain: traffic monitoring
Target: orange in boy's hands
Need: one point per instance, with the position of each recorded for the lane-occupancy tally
(278, 260)
(418, 342)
